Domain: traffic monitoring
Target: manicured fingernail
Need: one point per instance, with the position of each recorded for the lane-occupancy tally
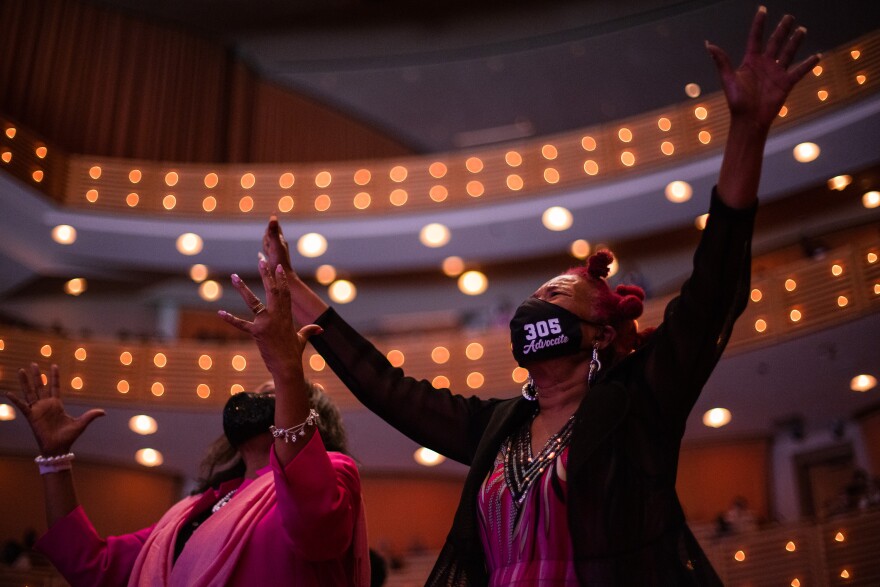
(802, 30)
(221, 313)
(762, 9)
(279, 269)
(236, 279)
(263, 264)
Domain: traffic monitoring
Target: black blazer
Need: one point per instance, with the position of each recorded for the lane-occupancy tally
(626, 523)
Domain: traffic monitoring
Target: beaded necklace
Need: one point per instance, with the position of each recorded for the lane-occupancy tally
(521, 469)
(223, 501)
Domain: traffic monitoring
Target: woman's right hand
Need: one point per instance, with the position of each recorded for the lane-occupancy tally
(305, 303)
(275, 247)
(54, 429)
(757, 88)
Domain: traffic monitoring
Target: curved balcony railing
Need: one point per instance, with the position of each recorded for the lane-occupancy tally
(787, 301)
(425, 183)
(840, 551)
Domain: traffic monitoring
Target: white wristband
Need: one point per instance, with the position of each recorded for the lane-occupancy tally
(54, 464)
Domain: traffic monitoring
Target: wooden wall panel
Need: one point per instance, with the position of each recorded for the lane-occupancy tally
(404, 511)
(117, 499)
(99, 82)
(711, 475)
(869, 422)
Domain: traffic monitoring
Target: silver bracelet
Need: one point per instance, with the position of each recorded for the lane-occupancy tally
(54, 464)
(290, 434)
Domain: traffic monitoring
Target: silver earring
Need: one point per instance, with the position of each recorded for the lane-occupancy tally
(529, 391)
(595, 364)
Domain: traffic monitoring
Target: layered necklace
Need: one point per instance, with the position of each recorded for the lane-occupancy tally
(521, 469)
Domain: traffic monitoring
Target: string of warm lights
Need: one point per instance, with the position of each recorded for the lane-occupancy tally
(838, 551)
(425, 183)
(857, 59)
(794, 299)
(786, 302)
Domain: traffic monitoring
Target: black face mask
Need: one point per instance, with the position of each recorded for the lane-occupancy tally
(540, 330)
(247, 415)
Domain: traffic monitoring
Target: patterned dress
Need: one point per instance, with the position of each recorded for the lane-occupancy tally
(525, 533)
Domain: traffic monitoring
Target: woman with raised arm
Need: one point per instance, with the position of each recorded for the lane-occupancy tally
(290, 514)
(574, 483)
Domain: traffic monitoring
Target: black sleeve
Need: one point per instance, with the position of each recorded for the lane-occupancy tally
(449, 424)
(697, 324)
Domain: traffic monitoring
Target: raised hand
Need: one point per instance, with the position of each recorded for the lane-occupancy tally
(54, 429)
(281, 345)
(759, 86)
(306, 305)
(275, 248)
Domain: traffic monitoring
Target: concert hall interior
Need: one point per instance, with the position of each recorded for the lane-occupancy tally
(431, 165)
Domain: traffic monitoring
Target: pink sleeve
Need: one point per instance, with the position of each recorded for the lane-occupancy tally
(83, 557)
(319, 494)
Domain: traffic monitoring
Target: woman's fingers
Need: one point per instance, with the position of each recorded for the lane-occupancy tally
(756, 33)
(269, 284)
(54, 381)
(281, 292)
(308, 331)
(37, 381)
(799, 71)
(786, 53)
(19, 403)
(779, 37)
(89, 417)
(722, 61)
(27, 390)
(249, 297)
(274, 245)
(242, 325)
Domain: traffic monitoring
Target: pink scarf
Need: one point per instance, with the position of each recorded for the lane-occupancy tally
(217, 554)
(212, 563)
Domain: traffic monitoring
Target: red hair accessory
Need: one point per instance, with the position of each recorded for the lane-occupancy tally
(599, 264)
(630, 304)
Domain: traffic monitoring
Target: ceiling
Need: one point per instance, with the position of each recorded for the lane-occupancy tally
(449, 74)
(444, 77)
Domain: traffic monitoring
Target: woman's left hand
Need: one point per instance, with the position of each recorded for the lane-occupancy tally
(281, 344)
(758, 88)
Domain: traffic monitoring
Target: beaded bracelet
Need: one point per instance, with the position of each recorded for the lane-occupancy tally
(290, 434)
(54, 464)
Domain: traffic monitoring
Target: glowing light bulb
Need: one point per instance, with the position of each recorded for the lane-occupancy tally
(189, 243)
(557, 218)
(427, 457)
(434, 235)
(472, 283)
(716, 417)
(342, 291)
(311, 244)
(64, 234)
(679, 191)
(453, 266)
(149, 457)
(863, 382)
(806, 152)
(143, 424)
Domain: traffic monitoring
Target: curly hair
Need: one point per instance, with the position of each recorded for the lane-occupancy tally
(619, 308)
(223, 462)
